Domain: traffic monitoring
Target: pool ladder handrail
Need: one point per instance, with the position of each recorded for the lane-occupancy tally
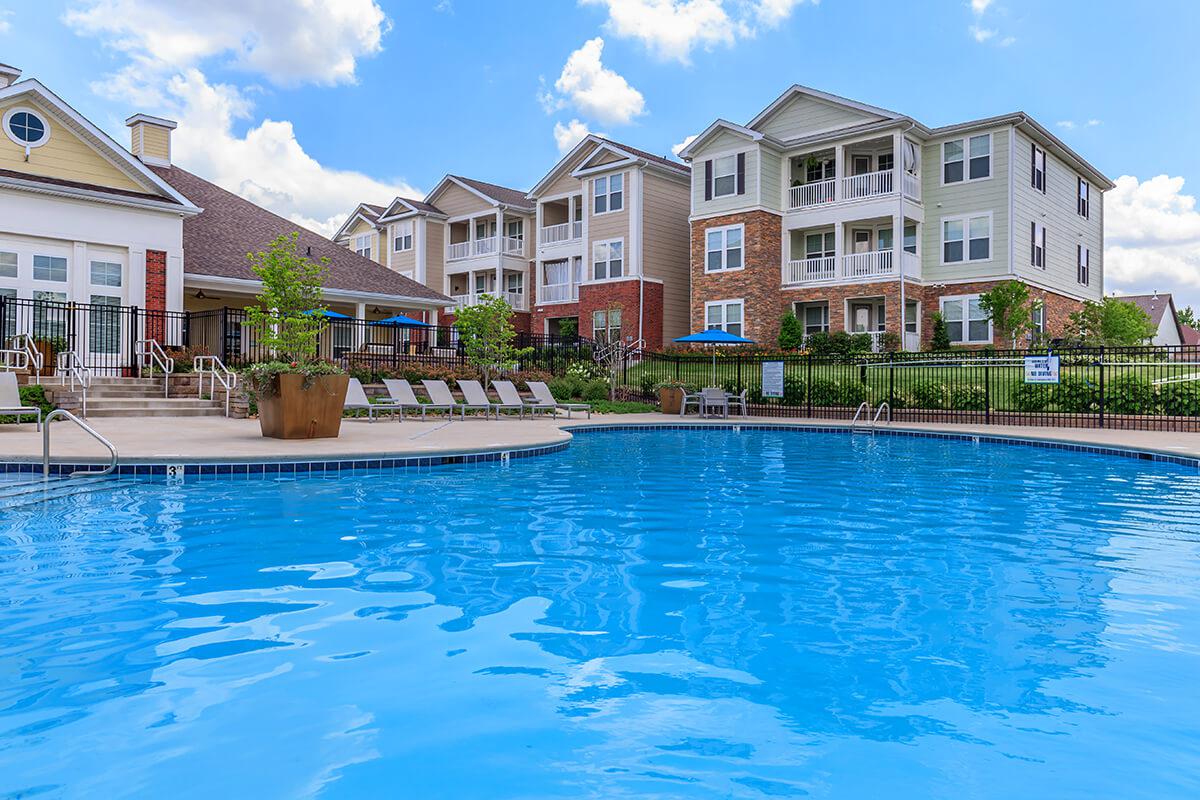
(72, 366)
(88, 429)
(150, 352)
(879, 411)
(219, 373)
(863, 406)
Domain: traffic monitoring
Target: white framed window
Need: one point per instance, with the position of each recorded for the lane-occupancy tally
(966, 238)
(105, 273)
(26, 127)
(515, 229)
(820, 245)
(966, 322)
(608, 259)
(362, 245)
(606, 325)
(1083, 260)
(1037, 177)
(1037, 317)
(403, 236)
(1083, 206)
(10, 320)
(608, 194)
(967, 159)
(725, 176)
(885, 162)
(883, 239)
(723, 248)
(912, 317)
(910, 239)
(104, 325)
(514, 282)
(1037, 245)
(820, 170)
(50, 268)
(49, 320)
(724, 315)
(8, 265)
(813, 316)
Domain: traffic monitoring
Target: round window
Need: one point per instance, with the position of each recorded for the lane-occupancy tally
(26, 127)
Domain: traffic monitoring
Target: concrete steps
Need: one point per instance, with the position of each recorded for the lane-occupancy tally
(141, 397)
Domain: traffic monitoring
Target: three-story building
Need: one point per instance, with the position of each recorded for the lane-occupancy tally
(860, 219)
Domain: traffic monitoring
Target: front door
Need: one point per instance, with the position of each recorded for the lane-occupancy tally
(862, 165)
(862, 241)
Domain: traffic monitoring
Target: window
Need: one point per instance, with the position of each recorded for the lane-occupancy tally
(883, 239)
(885, 162)
(362, 245)
(910, 239)
(814, 317)
(1038, 168)
(1037, 317)
(10, 318)
(723, 248)
(49, 318)
(514, 282)
(1084, 264)
(978, 152)
(965, 321)
(725, 176)
(607, 259)
(911, 317)
(966, 239)
(8, 265)
(50, 268)
(724, 315)
(26, 127)
(106, 273)
(820, 245)
(1085, 193)
(104, 325)
(861, 165)
(819, 170)
(608, 194)
(403, 239)
(515, 229)
(1037, 245)
(606, 325)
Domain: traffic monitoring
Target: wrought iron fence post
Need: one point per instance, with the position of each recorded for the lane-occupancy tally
(987, 393)
(134, 334)
(739, 373)
(891, 382)
(1101, 386)
(807, 385)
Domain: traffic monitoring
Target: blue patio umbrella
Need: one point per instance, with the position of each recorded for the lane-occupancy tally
(401, 321)
(714, 336)
(325, 312)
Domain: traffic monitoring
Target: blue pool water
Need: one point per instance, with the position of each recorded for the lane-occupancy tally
(646, 614)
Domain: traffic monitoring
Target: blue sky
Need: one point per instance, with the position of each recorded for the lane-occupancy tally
(307, 107)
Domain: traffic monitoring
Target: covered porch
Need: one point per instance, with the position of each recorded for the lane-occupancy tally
(561, 220)
(467, 288)
(859, 250)
(485, 234)
(875, 167)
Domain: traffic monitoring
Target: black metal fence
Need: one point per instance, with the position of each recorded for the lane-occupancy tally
(1148, 388)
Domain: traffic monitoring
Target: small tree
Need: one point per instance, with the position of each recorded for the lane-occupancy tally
(791, 332)
(486, 334)
(1007, 306)
(568, 328)
(941, 335)
(289, 316)
(1185, 316)
(1112, 322)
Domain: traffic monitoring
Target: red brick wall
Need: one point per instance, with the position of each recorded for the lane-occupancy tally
(156, 293)
(520, 320)
(553, 311)
(1058, 307)
(757, 283)
(625, 294)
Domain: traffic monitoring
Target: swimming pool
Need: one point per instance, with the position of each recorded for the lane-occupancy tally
(694, 613)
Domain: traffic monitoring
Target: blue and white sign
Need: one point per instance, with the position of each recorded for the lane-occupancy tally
(1041, 369)
(772, 379)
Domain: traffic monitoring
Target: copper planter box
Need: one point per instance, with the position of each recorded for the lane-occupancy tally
(293, 412)
(670, 400)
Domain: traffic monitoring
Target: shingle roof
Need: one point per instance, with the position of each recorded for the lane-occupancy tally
(1190, 334)
(374, 209)
(419, 205)
(502, 194)
(663, 160)
(215, 242)
(1155, 305)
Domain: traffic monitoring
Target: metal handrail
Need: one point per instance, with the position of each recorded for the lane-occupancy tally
(219, 374)
(88, 429)
(22, 360)
(70, 363)
(33, 357)
(152, 350)
(879, 411)
(863, 406)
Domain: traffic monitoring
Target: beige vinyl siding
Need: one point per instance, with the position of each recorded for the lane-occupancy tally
(64, 156)
(455, 201)
(665, 249)
(405, 260)
(156, 141)
(770, 172)
(958, 199)
(566, 182)
(806, 115)
(729, 203)
(607, 157)
(1065, 229)
(435, 254)
(606, 227)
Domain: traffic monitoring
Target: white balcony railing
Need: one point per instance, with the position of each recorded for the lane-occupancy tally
(514, 244)
(870, 184)
(811, 194)
(912, 265)
(457, 250)
(483, 247)
(912, 186)
(563, 232)
(810, 270)
(515, 299)
(868, 265)
(558, 293)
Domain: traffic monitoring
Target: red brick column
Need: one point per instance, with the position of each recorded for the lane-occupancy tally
(156, 294)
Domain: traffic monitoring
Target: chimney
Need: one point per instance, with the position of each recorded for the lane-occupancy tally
(150, 139)
(8, 75)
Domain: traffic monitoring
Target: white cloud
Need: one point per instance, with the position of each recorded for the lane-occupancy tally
(1066, 124)
(678, 148)
(290, 42)
(981, 33)
(267, 165)
(980, 6)
(1070, 124)
(593, 89)
(672, 29)
(1091, 123)
(569, 135)
(5, 25)
(1152, 237)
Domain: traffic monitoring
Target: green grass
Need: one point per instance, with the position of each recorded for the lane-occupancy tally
(622, 407)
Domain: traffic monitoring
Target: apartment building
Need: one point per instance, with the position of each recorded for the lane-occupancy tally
(860, 219)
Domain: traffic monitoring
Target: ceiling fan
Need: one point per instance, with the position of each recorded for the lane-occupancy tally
(200, 295)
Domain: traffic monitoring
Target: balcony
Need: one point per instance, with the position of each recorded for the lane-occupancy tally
(562, 233)
(512, 245)
(558, 293)
(857, 187)
(850, 267)
(515, 299)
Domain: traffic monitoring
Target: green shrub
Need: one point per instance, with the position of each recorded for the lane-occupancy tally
(622, 407)
(827, 392)
(941, 335)
(565, 389)
(1030, 397)
(791, 332)
(1077, 395)
(595, 390)
(793, 391)
(1180, 399)
(929, 393)
(585, 370)
(852, 393)
(1129, 394)
(968, 398)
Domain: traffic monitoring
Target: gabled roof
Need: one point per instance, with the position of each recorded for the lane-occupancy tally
(216, 242)
(845, 102)
(717, 127)
(157, 189)
(1156, 307)
(404, 206)
(493, 193)
(598, 142)
(366, 212)
(1190, 334)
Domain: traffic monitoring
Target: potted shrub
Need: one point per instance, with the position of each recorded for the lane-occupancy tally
(670, 396)
(299, 396)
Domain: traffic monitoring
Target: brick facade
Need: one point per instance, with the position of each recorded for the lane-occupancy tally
(757, 283)
(552, 311)
(1058, 307)
(156, 294)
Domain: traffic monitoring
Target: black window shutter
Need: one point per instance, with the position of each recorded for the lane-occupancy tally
(1033, 165)
(741, 173)
(1033, 243)
(1045, 249)
(708, 180)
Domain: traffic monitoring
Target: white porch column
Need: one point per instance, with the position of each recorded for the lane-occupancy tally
(538, 225)
(898, 163)
(839, 171)
(360, 331)
(839, 247)
(499, 252)
(898, 259)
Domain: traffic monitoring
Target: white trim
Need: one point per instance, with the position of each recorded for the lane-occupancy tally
(715, 176)
(636, 241)
(965, 141)
(608, 193)
(738, 301)
(10, 113)
(966, 240)
(724, 231)
(966, 321)
(196, 281)
(169, 124)
(817, 94)
(591, 255)
(1012, 166)
(745, 210)
(689, 152)
(357, 214)
(74, 193)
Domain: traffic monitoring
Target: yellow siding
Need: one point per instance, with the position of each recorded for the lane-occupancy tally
(156, 141)
(565, 182)
(613, 225)
(666, 248)
(65, 156)
(455, 201)
(435, 254)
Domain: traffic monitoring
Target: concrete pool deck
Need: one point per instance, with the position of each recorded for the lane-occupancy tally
(216, 439)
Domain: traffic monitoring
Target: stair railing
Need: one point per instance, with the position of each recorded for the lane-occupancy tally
(150, 354)
(218, 374)
(33, 357)
(71, 367)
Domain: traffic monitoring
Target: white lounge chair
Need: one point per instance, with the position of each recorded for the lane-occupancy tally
(543, 396)
(510, 397)
(474, 394)
(440, 394)
(356, 398)
(10, 399)
(402, 394)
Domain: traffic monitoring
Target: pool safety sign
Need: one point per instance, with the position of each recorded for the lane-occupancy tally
(1041, 369)
(772, 379)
